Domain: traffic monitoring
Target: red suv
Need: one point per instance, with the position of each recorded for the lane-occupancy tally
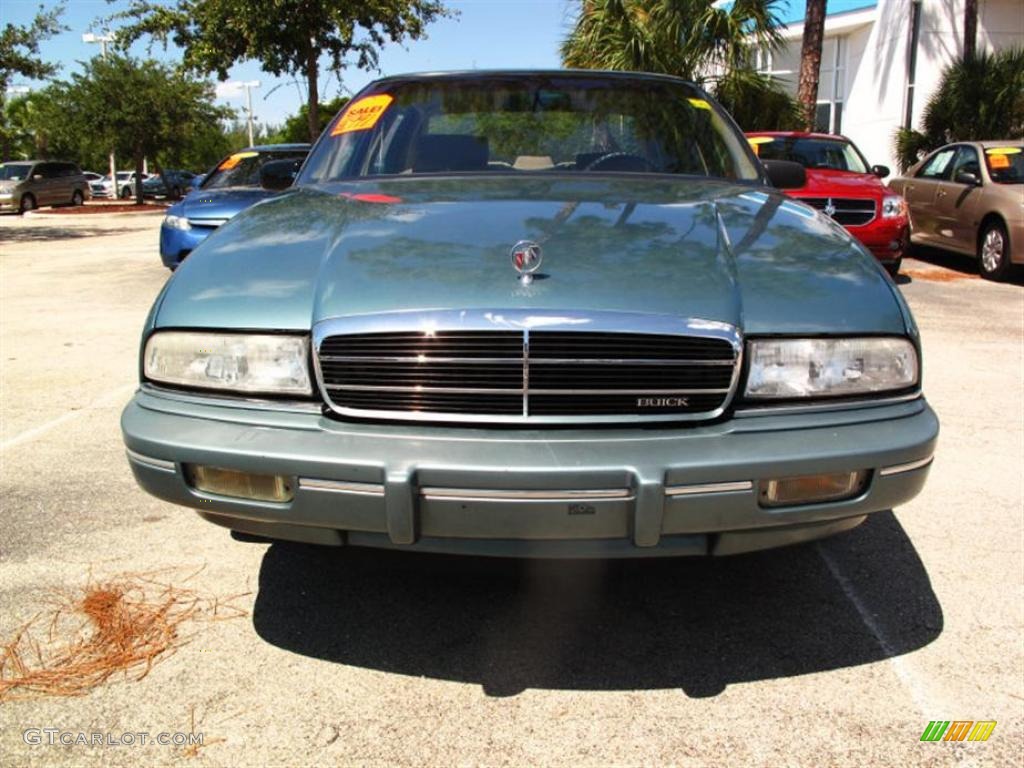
(840, 184)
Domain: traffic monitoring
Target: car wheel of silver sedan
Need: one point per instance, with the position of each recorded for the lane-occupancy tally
(994, 251)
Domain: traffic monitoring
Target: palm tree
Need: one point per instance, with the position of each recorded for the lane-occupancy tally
(981, 97)
(970, 28)
(810, 61)
(700, 40)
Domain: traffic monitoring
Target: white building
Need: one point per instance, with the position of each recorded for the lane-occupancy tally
(866, 89)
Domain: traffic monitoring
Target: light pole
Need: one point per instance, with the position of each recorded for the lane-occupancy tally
(89, 37)
(248, 85)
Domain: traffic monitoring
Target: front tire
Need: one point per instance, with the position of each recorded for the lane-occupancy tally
(28, 203)
(126, 193)
(994, 251)
(77, 198)
(893, 267)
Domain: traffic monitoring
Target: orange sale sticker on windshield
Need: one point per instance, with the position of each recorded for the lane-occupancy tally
(995, 162)
(363, 115)
(235, 159)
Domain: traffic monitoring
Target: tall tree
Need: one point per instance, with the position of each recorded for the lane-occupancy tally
(810, 61)
(700, 40)
(686, 38)
(288, 37)
(140, 108)
(970, 28)
(19, 47)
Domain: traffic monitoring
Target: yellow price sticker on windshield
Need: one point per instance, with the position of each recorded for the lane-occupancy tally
(700, 104)
(1003, 151)
(363, 115)
(235, 159)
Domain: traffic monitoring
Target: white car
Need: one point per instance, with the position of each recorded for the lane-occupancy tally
(125, 185)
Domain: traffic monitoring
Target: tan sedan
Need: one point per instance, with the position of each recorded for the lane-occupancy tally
(968, 197)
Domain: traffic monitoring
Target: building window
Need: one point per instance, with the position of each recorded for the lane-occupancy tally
(784, 66)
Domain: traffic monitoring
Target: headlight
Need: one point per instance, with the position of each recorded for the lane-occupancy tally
(264, 363)
(177, 222)
(893, 206)
(798, 368)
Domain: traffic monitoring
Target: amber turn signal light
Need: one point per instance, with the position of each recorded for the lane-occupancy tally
(239, 485)
(811, 489)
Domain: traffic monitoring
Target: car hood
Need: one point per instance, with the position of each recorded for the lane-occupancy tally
(822, 183)
(723, 252)
(221, 203)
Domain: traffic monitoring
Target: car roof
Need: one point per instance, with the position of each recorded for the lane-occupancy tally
(798, 135)
(485, 74)
(275, 147)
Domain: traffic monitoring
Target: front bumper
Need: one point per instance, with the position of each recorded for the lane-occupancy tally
(887, 239)
(176, 244)
(589, 492)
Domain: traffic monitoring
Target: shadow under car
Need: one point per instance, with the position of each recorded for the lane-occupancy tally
(697, 624)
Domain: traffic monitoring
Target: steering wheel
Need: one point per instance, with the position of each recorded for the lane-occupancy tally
(624, 159)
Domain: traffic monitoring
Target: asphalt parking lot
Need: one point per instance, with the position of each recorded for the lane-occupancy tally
(839, 652)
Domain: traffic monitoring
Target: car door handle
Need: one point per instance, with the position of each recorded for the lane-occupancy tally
(941, 193)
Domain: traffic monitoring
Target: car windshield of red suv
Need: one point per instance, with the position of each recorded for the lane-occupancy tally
(814, 153)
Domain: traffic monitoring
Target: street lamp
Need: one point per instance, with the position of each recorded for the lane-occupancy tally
(89, 37)
(248, 85)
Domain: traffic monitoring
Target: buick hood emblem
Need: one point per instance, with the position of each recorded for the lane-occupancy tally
(526, 258)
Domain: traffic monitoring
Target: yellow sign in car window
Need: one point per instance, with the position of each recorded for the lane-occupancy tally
(1003, 151)
(756, 142)
(700, 104)
(235, 159)
(363, 114)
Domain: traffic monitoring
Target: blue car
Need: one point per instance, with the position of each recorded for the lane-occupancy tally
(231, 187)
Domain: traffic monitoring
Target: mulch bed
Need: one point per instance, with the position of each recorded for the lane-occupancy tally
(75, 210)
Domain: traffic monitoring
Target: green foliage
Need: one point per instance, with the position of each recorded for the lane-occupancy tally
(19, 47)
(981, 97)
(287, 37)
(686, 38)
(296, 128)
(695, 39)
(756, 102)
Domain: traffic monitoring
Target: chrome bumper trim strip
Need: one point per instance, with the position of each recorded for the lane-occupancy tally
(486, 494)
(910, 466)
(340, 486)
(149, 461)
(693, 490)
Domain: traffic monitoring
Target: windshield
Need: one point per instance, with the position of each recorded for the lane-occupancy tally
(541, 123)
(242, 169)
(1005, 164)
(824, 154)
(14, 171)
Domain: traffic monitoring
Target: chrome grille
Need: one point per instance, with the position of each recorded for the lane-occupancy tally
(529, 374)
(849, 212)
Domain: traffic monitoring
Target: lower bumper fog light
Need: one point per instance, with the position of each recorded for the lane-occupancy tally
(239, 485)
(811, 489)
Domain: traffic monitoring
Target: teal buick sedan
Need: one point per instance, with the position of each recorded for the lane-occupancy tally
(532, 314)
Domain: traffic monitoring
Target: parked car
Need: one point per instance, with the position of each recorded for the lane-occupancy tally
(92, 176)
(124, 187)
(232, 186)
(968, 197)
(29, 184)
(532, 314)
(841, 185)
(179, 181)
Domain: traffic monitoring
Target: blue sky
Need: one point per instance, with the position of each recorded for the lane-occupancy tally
(488, 34)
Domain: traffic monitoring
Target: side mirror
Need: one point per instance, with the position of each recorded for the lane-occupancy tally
(279, 174)
(965, 177)
(37, 177)
(784, 174)
(197, 181)
(881, 171)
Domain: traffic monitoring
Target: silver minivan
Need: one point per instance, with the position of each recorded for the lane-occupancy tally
(28, 184)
